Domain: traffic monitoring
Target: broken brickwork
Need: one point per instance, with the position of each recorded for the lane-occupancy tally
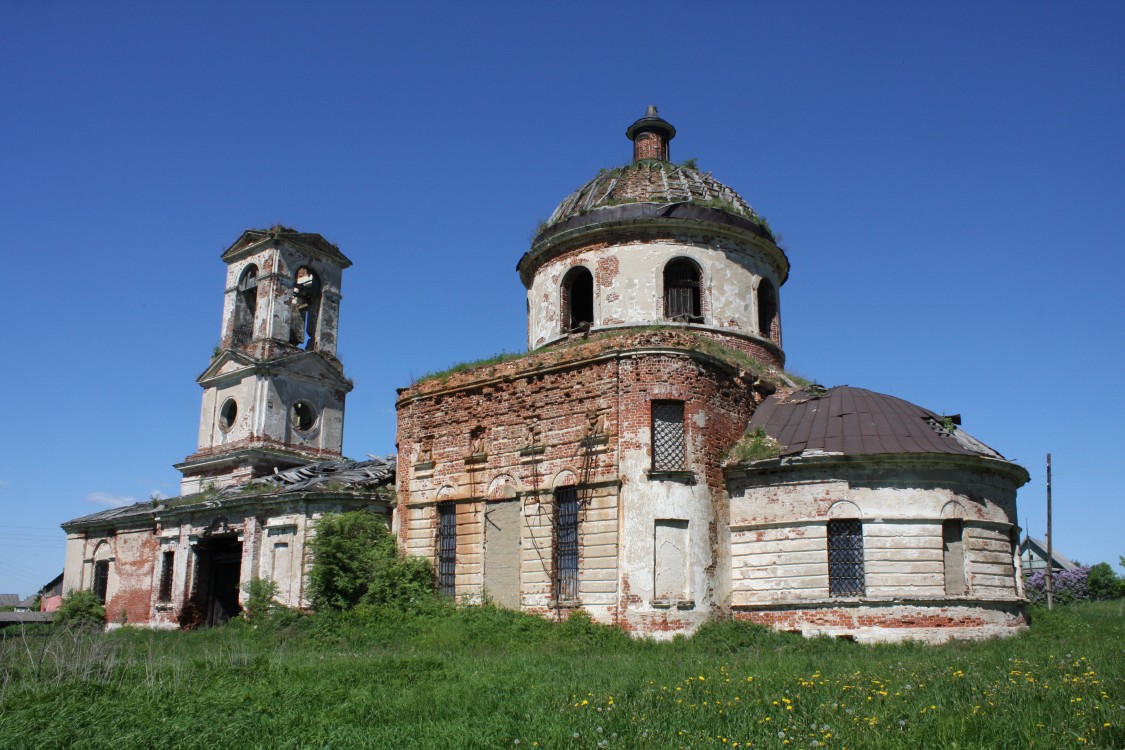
(578, 416)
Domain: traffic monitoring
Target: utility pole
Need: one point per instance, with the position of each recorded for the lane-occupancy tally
(1050, 544)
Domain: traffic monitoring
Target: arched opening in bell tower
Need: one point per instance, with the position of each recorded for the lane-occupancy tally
(246, 305)
(306, 308)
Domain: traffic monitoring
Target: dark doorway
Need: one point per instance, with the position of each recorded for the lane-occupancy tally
(218, 572)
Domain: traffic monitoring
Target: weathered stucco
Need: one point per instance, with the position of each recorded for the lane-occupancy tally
(780, 511)
(628, 283)
(581, 416)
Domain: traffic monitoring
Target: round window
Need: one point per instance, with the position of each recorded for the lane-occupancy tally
(303, 416)
(227, 414)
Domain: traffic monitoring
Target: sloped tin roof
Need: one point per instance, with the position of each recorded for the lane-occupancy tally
(854, 421)
(344, 476)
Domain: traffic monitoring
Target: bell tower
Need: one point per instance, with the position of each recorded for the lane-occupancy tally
(273, 395)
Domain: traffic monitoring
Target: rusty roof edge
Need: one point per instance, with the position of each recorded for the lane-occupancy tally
(235, 501)
(796, 462)
(156, 513)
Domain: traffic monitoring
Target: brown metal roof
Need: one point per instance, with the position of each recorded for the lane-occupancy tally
(855, 421)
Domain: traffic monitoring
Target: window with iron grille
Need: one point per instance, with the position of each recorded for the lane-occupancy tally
(845, 557)
(447, 548)
(681, 291)
(668, 447)
(101, 579)
(566, 544)
(166, 576)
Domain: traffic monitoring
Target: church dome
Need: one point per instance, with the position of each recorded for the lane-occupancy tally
(653, 181)
(651, 185)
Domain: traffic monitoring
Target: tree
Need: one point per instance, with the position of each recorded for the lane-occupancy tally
(1103, 583)
(355, 560)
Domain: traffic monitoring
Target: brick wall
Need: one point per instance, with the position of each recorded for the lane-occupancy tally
(577, 415)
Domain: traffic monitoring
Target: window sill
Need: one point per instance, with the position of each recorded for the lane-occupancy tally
(683, 477)
(680, 604)
(476, 458)
(564, 603)
(594, 441)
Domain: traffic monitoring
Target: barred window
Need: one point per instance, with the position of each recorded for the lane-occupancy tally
(101, 579)
(668, 445)
(166, 576)
(845, 557)
(566, 544)
(447, 548)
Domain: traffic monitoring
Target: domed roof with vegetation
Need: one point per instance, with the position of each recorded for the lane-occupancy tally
(654, 181)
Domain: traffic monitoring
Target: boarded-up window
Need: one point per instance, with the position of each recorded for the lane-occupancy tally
(670, 559)
(101, 579)
(668, 435)
(502, 552)
(447, 548)
(953, 554)
(566, 544)
(845, 557)
(166, 568)
(281, 574)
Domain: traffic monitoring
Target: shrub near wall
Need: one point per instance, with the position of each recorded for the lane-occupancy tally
(356, 561)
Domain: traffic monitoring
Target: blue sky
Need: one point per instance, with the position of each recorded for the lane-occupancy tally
(947, 180)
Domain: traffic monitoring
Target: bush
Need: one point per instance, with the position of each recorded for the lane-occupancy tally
(1081, 584)
(356, 561)
(1069, 586)
(80, 607)
(260, 604)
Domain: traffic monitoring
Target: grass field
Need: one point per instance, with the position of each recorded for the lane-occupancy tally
(487, 678)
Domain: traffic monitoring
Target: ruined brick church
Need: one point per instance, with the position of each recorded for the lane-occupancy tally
(648, 460)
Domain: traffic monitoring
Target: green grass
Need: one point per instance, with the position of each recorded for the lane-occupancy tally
(485, 678)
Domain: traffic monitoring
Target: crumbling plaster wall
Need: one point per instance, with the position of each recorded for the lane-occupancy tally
(130, 553)
(778, 543)
(264, 409)
(274, 537)
(629, 284)
(277, 263)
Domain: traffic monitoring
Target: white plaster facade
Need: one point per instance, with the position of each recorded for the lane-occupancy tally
(629, 283)
(916, 584)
